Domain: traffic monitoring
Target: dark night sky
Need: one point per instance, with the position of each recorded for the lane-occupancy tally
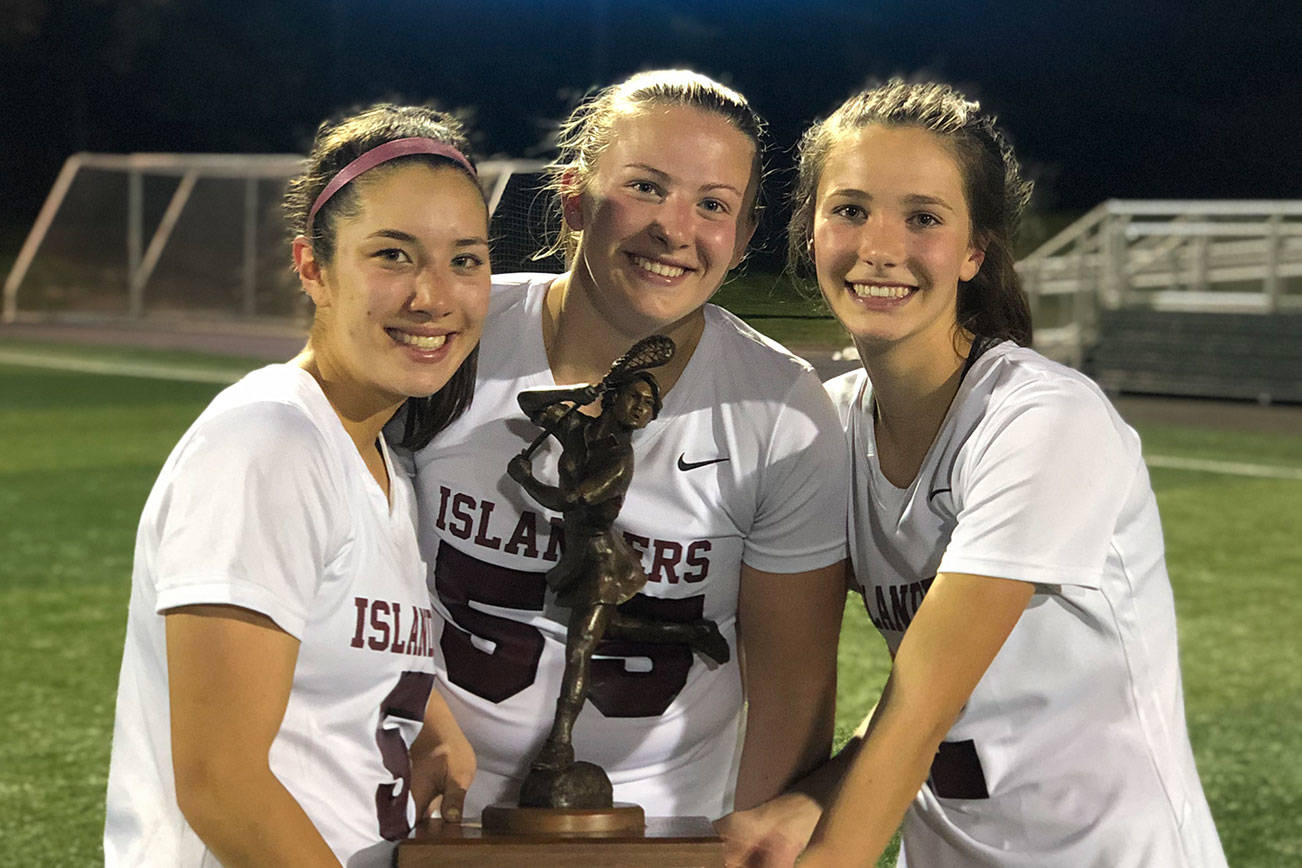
(1140, 99)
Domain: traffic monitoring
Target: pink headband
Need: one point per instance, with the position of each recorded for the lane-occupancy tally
(382, 154)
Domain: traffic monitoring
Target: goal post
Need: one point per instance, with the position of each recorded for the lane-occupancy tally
(156, 234)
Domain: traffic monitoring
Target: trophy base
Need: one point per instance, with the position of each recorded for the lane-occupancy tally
(512, 820)
(684, 842)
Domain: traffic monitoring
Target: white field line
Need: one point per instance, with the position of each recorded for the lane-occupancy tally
(1228, 468)
(224, 377)
(122, 368)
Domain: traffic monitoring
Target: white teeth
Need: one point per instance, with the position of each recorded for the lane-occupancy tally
(420, 342)
(657, 267)
(874, 290)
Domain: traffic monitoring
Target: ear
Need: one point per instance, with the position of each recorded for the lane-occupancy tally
(309, 271)
(572, 200)
(971, 265)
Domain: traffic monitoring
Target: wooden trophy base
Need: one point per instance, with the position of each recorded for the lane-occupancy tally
(674, 842)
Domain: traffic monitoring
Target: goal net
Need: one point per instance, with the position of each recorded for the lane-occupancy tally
(144, 236)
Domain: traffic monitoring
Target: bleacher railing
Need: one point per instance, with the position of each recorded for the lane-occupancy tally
(1192, 256)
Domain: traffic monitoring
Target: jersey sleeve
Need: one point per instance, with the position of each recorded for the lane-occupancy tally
(1039, 488)
(246, 518)
(800, 521)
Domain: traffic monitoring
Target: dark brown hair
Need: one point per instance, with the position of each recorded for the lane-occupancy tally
(991, 304)
(338, 143)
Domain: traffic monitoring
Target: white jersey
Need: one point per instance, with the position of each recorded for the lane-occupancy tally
(266, 504)
(745, 464)
(1072, 750)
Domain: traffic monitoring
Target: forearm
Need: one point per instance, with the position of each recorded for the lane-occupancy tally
(547, 496)
(775, 832)
(942, 657)
(247, 817)
(538, 403)
(782, 744)
(869, 785)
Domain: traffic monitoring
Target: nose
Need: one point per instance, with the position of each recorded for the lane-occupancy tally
(673, 223)
(881, 244)
(430, 294)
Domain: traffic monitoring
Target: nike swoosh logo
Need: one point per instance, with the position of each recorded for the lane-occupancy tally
(931, 496)
(684, 464)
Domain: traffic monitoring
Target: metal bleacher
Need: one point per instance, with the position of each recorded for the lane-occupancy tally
(1196, 298)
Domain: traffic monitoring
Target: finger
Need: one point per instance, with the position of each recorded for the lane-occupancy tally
(453, 803)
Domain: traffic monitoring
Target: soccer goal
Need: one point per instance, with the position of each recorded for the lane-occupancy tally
(141, 236)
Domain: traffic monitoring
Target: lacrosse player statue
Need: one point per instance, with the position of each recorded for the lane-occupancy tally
(598, 570)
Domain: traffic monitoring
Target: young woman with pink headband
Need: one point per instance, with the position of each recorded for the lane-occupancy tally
(276, 703)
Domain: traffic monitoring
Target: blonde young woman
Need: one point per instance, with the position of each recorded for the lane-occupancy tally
(736, 509)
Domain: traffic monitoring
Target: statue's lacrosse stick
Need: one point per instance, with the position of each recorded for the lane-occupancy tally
(650, 352)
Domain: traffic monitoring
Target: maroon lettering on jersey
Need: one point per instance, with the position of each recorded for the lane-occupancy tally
(697, 560)
(555, 540)
(380, 624)
(444, 494)
(462, 520)
(904, 602)
(665, 562)
(900, 613)
(406, 701)
(879, 617)
(427, 632)
(482, 536)
(512, 665)
(618, 691)
(362, 604)
(640, 544)
(398, 646)
(524, 539)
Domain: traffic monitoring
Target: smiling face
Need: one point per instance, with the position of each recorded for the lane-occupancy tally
(892, 236)
(403, 301)
(664, 216)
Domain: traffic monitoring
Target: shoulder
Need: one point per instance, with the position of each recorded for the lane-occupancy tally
(1019, 377)
(1016, 386)
(273, 413)
(743, 352)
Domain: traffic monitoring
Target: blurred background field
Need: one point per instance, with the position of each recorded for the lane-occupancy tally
(80, 452)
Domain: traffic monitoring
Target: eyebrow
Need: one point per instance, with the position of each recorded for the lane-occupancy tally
(913, 199)
(923, 199)
(399, 235)
(665, 176)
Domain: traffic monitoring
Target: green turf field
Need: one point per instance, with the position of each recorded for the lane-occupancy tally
(79, 453)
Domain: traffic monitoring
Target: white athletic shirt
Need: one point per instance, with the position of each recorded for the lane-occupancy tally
(745, 463)
(1076, 732)
(266, 504)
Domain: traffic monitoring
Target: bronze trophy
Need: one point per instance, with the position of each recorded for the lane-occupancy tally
(566, 810)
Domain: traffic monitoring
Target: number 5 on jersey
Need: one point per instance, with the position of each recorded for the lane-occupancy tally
(512, 665)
